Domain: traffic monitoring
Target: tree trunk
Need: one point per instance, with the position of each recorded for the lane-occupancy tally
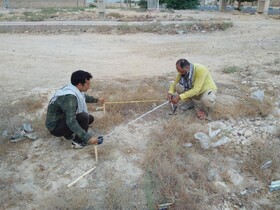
(239, 5)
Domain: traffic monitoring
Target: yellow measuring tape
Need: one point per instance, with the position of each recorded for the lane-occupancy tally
(127, 102)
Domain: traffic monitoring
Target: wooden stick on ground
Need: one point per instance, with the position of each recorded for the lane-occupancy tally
(76, 180)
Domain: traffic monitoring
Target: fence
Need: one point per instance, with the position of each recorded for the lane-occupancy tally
(15, 4)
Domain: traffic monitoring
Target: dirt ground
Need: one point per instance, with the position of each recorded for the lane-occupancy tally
(35, 174)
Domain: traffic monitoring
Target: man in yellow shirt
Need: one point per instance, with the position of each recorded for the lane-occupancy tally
(193, 81)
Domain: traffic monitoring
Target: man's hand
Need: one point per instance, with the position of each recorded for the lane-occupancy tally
(101, 100)
(169, 96)
(93, 140)
(96, 141)
(175, 99)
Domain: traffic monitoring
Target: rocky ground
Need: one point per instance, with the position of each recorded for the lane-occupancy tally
(244, 61)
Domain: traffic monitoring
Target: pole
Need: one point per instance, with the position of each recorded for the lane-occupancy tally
(6, 4)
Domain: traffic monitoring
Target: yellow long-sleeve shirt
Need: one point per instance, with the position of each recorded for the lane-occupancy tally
(202, 81)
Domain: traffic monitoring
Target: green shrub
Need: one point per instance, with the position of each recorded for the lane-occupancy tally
(230, 69)
(181, 4)
(143, 4)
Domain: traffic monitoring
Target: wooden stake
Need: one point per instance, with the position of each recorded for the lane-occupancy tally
(104, 110)
(96, 154)
(76, 180)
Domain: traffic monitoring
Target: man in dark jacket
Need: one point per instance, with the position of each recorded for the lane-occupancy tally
(67, 114)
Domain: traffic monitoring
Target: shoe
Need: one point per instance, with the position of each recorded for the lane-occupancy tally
(68, 137)
(187, 105)
(201, 114)
(77, 145)
(99, 140)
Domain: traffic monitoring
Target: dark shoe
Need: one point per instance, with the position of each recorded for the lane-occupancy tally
(99, 140)
(77, 145)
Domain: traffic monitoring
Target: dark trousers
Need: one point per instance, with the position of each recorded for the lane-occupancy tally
(84, 120)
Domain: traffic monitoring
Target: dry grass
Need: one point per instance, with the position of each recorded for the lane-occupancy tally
(13, 114)
(250, 108)
(114, 15)
(170, 174)
(118, 195)
(259, 154)
(244, 107)
(117, 113)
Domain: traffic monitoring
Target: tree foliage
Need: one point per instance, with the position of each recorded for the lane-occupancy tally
(174, 4)
(181, 4)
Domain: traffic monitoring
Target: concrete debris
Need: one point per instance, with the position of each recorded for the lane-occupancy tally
(214, 133)
(266, 165)
(164, 206)
(249, 191)
(5, 133)
(203, 140)
(187, 145)
(23, 133)
(27, 128)
(210, 141)
(258, 95)
(275, 185)
(222, 141)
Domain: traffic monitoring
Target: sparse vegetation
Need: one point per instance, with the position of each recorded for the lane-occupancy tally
(231, 69)
(261, 153)
(115, 15)
(41, 14)
(117, 195)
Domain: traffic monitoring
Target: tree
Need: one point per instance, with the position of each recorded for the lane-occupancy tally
(181, 4)
(174, 4)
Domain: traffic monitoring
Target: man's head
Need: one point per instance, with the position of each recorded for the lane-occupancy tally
(183, 66)
(81, 79)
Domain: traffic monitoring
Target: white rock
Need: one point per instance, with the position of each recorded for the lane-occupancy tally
(218, 125)
(264, 135)
(257, 123)
(248, 133)
(235, 177)
(222, 186)
(270, 117)
(234, 132)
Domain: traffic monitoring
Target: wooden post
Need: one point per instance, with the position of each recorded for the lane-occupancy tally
(104, 109)
(96, 154)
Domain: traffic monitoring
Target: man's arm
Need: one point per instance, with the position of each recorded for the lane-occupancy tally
(91, 99)
(172, 86)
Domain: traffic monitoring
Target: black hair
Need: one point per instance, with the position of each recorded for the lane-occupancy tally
(183, 63)
(80, 76)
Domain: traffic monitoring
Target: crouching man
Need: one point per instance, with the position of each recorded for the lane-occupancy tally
(67, 114)
(193, 81)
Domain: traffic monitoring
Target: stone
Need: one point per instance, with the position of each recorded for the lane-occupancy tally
(248, 133)
(222, 186)
(235, 177)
